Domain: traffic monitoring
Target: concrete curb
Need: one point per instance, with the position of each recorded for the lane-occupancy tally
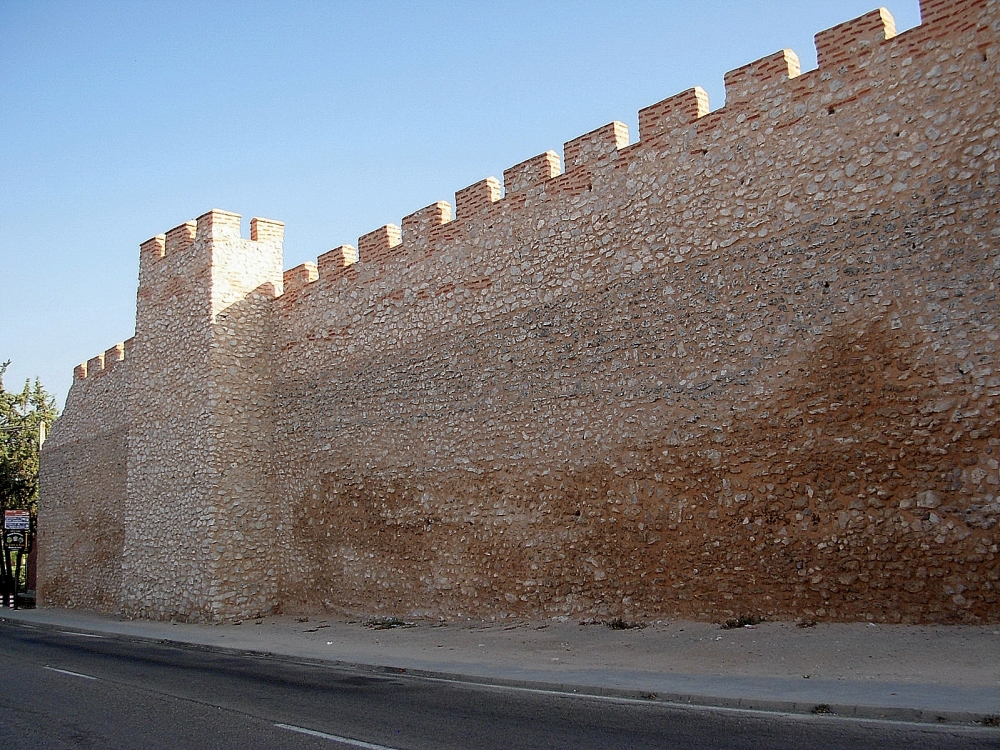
(687, 699)
(694, 700)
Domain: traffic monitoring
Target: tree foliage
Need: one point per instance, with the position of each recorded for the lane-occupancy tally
(24, 416)
(21, 416)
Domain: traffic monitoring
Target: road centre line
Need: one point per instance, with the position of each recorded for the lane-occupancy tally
(82, 635)
(66, 671)
(335, 738)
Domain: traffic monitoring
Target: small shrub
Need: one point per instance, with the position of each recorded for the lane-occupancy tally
(619, 624)
(385, 623)
(821, 708)
(742, 621)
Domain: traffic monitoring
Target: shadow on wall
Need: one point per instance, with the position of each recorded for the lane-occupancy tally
(823, 499)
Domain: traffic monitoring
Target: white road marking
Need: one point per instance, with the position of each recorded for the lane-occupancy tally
(335, 738)
(82, 635)
(74, 674)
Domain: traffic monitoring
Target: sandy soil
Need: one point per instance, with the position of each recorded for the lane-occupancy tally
(959, 655)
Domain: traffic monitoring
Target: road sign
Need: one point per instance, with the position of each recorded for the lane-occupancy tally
(15, 539)
(17, 519)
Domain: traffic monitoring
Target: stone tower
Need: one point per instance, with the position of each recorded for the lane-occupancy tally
(200, 398)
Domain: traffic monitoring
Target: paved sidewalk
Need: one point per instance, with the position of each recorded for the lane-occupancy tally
(908, 673)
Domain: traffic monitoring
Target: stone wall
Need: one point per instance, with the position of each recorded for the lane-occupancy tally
(83, 487)
(744, 365)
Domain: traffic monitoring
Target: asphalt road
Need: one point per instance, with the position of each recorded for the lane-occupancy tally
(69, 690)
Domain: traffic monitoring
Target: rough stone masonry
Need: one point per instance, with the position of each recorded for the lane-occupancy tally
(745, 365)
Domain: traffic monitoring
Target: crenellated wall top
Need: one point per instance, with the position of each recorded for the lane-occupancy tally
(850, 51)
(847, 50)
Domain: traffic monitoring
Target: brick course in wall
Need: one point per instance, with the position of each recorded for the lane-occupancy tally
(746, 364)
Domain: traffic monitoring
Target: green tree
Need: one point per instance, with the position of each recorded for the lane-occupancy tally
(24, 417)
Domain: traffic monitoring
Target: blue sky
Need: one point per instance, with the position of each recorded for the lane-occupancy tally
(121, 120)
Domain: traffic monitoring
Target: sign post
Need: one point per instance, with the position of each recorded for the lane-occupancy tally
(16, 525)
